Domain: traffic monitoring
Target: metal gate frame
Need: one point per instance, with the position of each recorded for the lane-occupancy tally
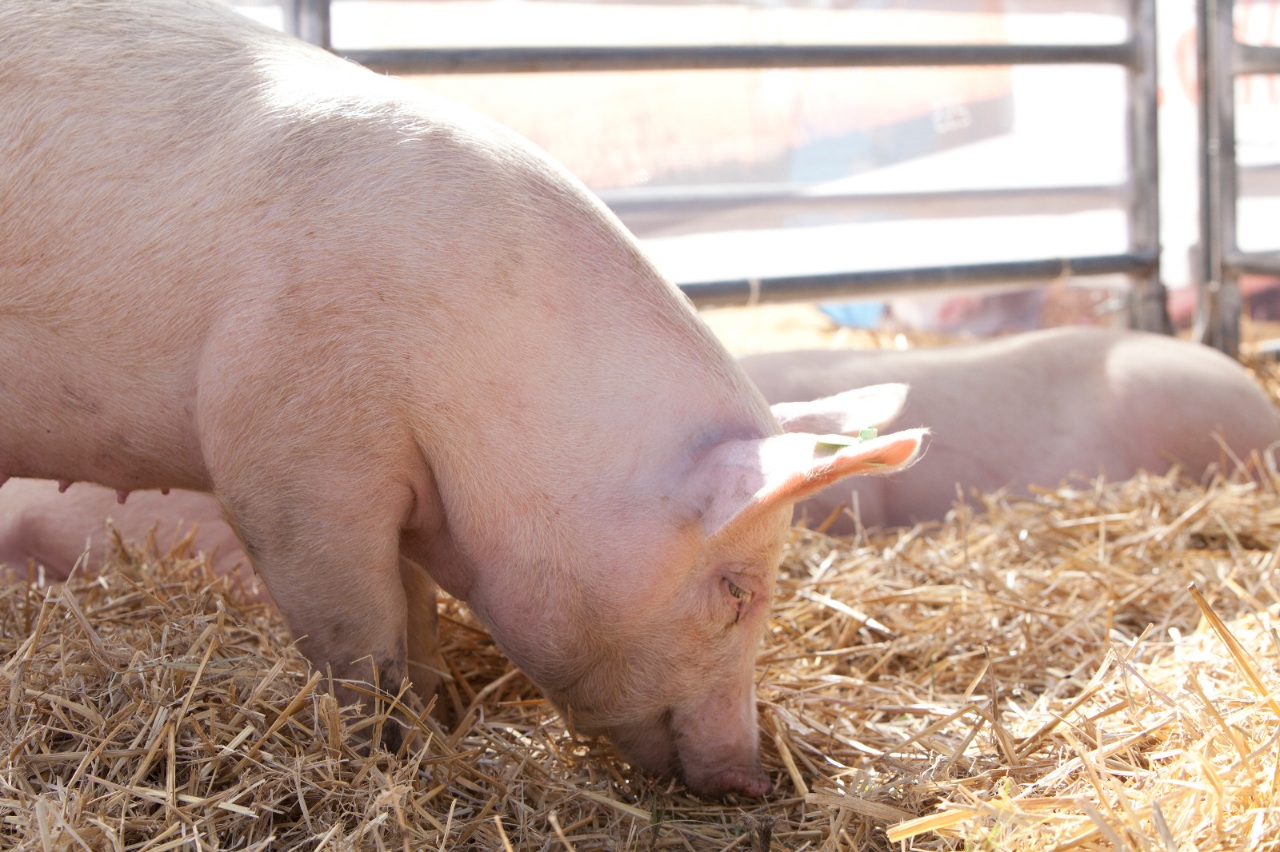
(1220, 59)
(310, 19)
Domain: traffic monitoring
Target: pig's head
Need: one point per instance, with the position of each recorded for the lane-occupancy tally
(654, 645)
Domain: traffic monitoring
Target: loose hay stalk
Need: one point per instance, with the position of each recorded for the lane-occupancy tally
(1033, 674)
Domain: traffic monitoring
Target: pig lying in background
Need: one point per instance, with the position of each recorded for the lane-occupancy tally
(231, 262)
(42, 527)
(1034, 409)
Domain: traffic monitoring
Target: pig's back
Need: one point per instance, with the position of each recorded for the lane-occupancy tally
(183, 153)
(134, 218)
(175, 181)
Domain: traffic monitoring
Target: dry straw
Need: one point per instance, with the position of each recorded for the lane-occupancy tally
(1094, 667)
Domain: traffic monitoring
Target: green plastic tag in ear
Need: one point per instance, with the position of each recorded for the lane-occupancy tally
(831, 444)
(838, 441)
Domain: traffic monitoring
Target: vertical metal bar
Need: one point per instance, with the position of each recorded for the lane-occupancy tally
(310, 21)
(289, 10)
(1230, 305)
(1218, 304)
(1210, 254)
(1148, 301)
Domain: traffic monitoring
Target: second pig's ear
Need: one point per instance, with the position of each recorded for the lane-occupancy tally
(745, 479)
(845, 413)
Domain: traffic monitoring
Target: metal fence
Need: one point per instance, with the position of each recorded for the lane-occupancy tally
(310, 19)
(1221, 58)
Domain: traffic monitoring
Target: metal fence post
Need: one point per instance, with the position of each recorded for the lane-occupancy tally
(308, 20)
(1148, 299)
(1218, 304)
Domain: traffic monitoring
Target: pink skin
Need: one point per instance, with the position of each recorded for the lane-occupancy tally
(233, 263)
(41, 526)
(1033, 409)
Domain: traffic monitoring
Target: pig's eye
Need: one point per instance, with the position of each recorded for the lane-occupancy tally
(741, 597)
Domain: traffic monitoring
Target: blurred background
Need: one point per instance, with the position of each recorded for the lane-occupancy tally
(728, 174)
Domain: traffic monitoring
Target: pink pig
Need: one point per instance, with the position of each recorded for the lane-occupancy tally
(1033, 409)
(231, 262)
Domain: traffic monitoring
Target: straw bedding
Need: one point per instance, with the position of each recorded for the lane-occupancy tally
(1090, 668)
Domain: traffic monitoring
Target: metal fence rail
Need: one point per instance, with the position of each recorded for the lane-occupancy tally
(728, 57)
(668, 208)
(881, 281)
(1221, 59)
(1147, 304)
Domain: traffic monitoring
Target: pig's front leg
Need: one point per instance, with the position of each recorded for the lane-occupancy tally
(325, 538)
(305, 442)
(335, 575)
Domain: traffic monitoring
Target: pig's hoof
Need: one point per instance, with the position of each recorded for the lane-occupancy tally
(392, 735)
(389, 737)
(752, 784)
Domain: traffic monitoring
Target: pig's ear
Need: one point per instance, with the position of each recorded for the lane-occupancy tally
(844, 413)
(749, 478)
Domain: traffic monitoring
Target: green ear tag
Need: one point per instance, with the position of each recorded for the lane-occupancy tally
(832, 444)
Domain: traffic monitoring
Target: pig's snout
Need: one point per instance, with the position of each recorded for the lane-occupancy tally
(717, 743)
(752, 783)
(652, 748)
(723, 773)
